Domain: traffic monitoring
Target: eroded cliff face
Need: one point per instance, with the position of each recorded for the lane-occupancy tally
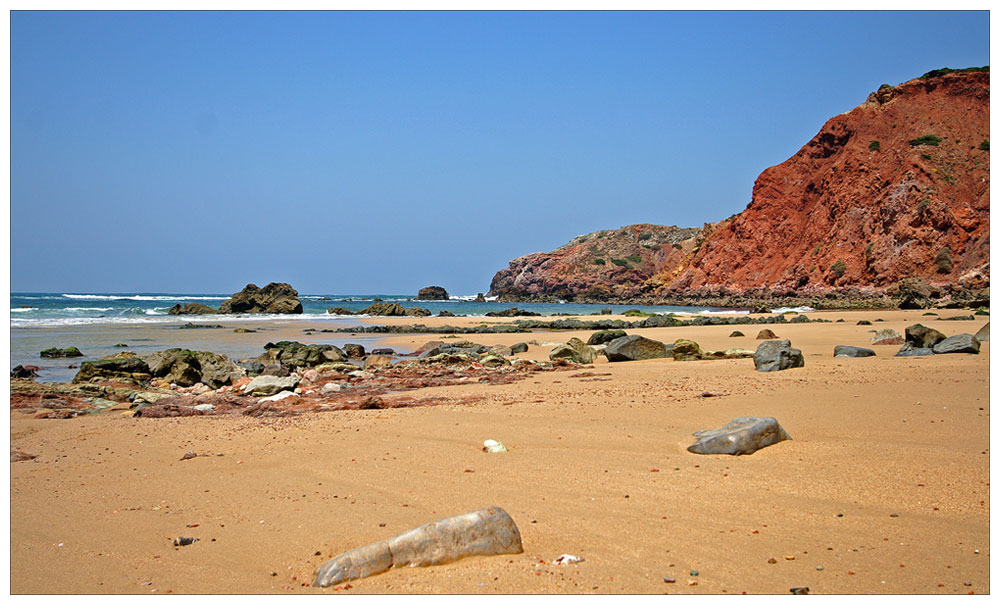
(618, 264)
(895, 188)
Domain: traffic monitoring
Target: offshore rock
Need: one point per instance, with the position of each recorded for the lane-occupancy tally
(959, 343)
(192, 309)
(920, 336)
(634, 348)
(575, 350)
(339, 311)
(433, 293)
(384, 309)
(849, 351)
(277, 298)
(740, 436)
(777, 355)
(27, 372)
(55, 353)
(487, 531)
(513, 312)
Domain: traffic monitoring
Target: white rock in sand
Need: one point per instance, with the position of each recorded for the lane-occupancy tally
(278, 397)
(494, 447)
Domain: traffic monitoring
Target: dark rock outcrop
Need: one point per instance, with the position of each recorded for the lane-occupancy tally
(433, 293)
(277, 298)
(56, 353)
(339, 311)
(192, 309)
(740, 436)
(777, 355)
(513, 312)
(920, 336)
(120, 366)
(26, 372)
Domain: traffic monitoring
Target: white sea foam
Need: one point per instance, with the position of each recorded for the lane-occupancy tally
(85, 309)
(708, 312)
(23, 310)
(793, 309)
(152, 316)
(472, 298)
(141, 297)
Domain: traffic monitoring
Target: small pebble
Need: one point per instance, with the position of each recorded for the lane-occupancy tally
(772, 560)
(840, 514)
(894, 515)
(694, 572)
(967, 583)
(819, 568)
(692, 582)
(801, 590)
(789, 557)
(669, 580)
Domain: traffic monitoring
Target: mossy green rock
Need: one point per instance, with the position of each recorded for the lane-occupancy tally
(121, 367)
(55, 353)
(687, 350)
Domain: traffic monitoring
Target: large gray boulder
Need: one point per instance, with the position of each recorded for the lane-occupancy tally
(575, 350)
(487, 531)
(634, 347)
(959, 343)
(920, 336)
(777, 355)
(278, 298)
(264, 386)
(849, 351)
(983, 335)
(740, 436)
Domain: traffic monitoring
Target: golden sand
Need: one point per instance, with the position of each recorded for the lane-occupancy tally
(884, 487)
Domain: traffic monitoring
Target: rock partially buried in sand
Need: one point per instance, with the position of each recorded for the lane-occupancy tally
(766, 334)
(574, 350)
(686, 350)
(777, 355)
(634, 348)
(908, 350)
(264, 386)
(741, 436)
(849, 351)
(491, 446)
(487, 531)
(983, 335)
(887, 336)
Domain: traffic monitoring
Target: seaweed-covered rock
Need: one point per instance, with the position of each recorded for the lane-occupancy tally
(686, 350)
(56, 353)
(887, 336)
(192, 309)
(575, 350)
(959, 343)
(766, 334)
(275, 297)
(634, 347)
(432, 293)
(849, 351)
(339, 311)
(983, 335)
(740, 436)
(487, 531)
(605, 336)
(920, 336)
(120, 366)
(777, 355)
(513, 312)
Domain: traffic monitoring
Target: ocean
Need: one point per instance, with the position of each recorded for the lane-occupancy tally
(97, 322)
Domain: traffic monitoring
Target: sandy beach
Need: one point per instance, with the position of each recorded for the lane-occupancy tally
(883, 488)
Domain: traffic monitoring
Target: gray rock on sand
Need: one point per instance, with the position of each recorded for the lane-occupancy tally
(909, 350)
(487, 531)
(741, 436)
(519, 347)
(920, 336)
(983, 335)
(777, 355)
(575, 350)
(959, 343)
(634, 347)
(263, 386)
(849, 351)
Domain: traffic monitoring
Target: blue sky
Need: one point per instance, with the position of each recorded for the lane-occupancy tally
(353, 152)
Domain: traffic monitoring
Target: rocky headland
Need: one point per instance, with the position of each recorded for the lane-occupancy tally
(887, 206)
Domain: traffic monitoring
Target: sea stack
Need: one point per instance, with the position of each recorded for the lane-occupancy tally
(433, 293)
(272, 298)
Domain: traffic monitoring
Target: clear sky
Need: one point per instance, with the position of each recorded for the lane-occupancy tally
(353, 152)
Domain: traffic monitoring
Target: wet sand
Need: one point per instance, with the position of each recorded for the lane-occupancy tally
(885, 483)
